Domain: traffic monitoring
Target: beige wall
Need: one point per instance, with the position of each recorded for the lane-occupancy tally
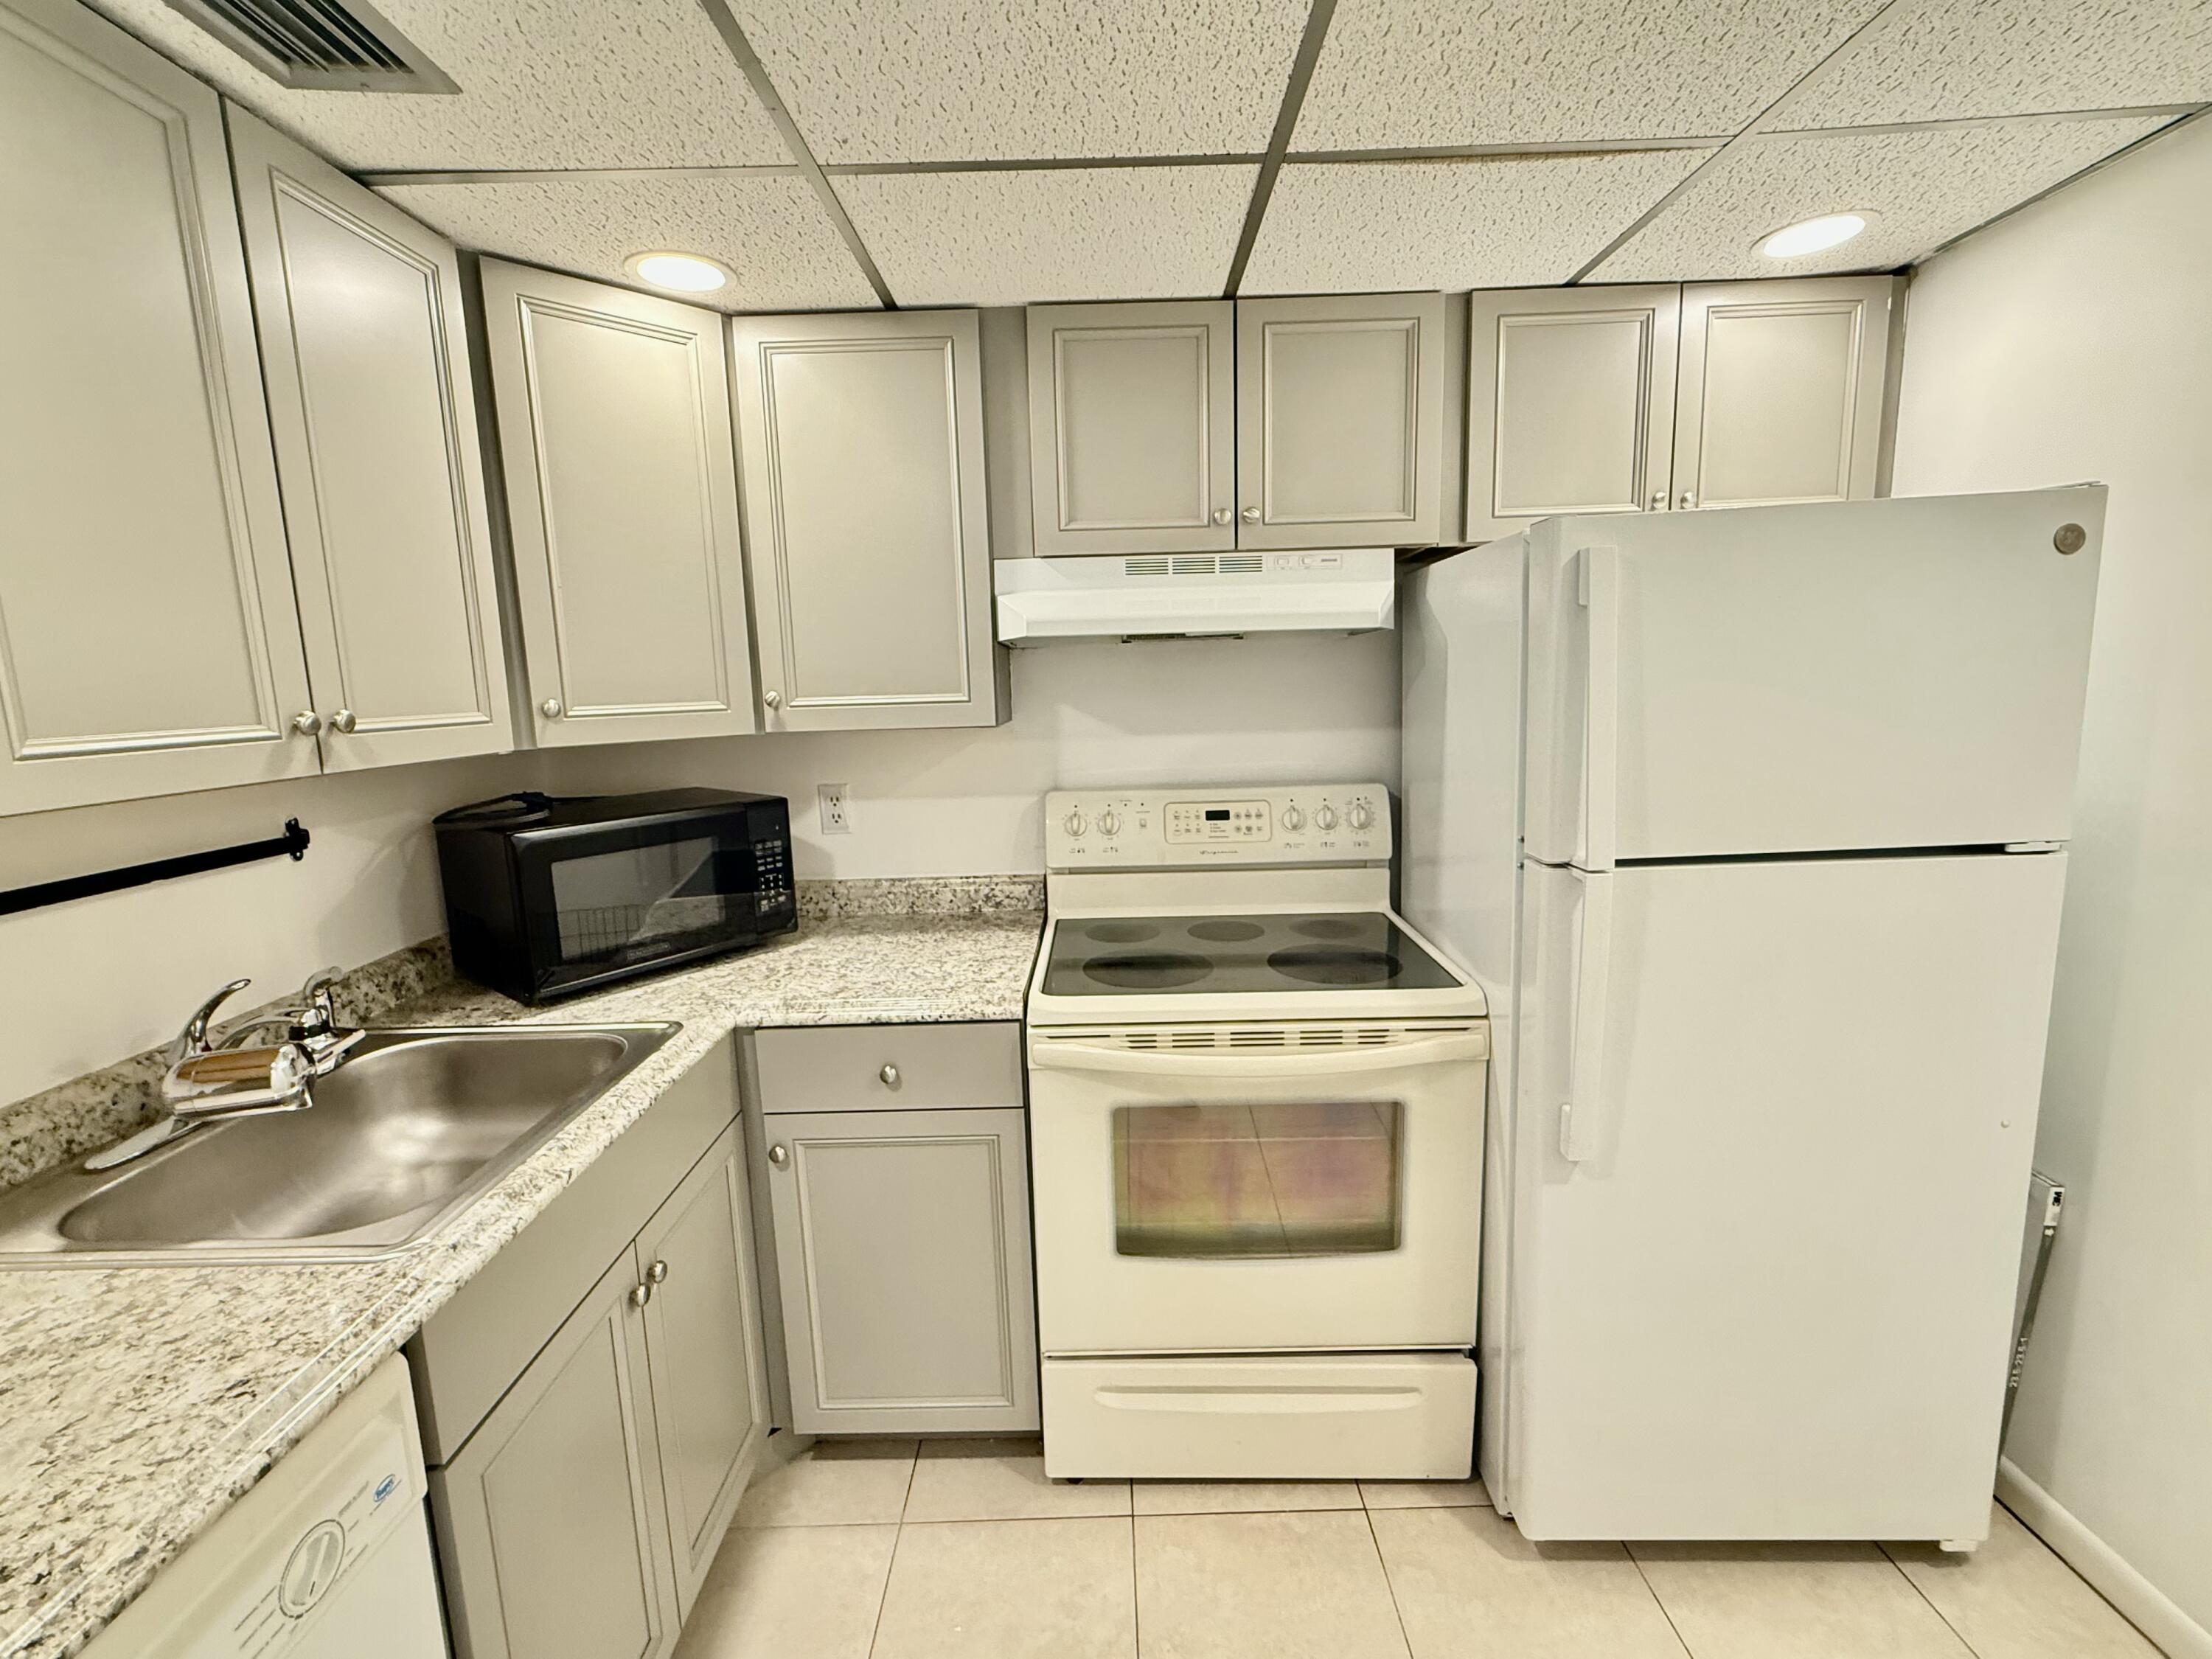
(2074, 341)
(83, 985)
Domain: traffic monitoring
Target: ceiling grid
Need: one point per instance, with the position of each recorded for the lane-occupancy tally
(851, 154)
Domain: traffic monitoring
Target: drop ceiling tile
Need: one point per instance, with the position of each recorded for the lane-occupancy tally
(545, 83)
(1412, 73)
(1925, 186)
(1953, 58)
(995, 239)
(772, 232)
(1023, 80)
(1495, 222)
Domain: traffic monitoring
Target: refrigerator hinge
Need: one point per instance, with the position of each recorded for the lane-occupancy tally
(2033, 846)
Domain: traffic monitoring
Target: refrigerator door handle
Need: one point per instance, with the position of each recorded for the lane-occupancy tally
(1580, 1115)
(1597, 586)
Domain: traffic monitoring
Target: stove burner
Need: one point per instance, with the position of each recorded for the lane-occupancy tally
(1121, 932)
(1225, 931)
(1148, 971)
(1328, 927)
(1337, 967)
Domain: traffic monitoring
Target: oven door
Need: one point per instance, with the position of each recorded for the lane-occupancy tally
(1282, 1187)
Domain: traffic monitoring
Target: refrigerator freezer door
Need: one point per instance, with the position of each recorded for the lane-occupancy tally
(1834, 677)
(1764, 1290)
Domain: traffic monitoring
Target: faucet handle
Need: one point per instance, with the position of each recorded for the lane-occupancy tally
(318, 1007)
(193, 1039)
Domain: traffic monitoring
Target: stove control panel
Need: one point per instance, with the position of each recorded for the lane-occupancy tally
(1295, 823)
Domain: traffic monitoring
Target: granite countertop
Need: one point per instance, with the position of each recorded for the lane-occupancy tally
(136, 1403)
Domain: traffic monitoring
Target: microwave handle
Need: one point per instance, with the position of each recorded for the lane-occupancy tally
(1073, 1055)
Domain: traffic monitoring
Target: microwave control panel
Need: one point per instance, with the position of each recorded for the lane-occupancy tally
(1301, 823)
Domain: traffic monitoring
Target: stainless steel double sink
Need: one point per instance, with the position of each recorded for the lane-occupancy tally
(413, 1126)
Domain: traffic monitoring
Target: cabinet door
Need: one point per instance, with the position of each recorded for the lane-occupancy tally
(866, 523)
(702, 1340)
(1779, 396)
(148, 638)
(902, 1248)
(366, 356)
(1133, 420)
(550, 1520)
(1571, 403)
(614, 435)
(1340, 420)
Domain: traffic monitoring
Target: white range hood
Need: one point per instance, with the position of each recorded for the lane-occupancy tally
(1176, 595)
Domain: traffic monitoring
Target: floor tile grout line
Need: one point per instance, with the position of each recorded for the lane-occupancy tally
(1136, 1598)
(1882, 1549)
(1658, 1600)
(1389, 1587)
(883, 1595)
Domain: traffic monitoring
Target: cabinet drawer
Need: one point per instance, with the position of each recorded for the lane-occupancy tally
(478, 1343)
(889, 1068)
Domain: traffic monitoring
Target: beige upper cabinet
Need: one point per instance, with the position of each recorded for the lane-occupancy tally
(1780, 393)
(1571, 403)
(148, 642)
(1340, 420)
(1133, 426)
(866, 526)
(366, 351)
(614, 436)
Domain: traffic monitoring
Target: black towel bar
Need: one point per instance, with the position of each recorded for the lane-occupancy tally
(292, 843)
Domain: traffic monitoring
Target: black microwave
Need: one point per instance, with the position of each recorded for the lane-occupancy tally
(548, 895)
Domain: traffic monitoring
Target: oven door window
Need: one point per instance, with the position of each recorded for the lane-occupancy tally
(1265, 1178)
(641, 901)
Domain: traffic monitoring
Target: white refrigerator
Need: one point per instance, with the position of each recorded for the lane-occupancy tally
(1752, 825)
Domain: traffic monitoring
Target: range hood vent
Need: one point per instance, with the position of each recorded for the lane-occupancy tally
(319, 45)
(1195, 595)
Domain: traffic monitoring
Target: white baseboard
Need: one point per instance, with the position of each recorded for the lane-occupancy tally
(2145, 1605)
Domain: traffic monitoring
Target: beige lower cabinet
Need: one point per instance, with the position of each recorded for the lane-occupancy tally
(902, 1245)
(591, 1428)
(550, 1519)
(710, 1388)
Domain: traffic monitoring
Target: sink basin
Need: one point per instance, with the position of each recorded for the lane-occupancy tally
(410, 1128)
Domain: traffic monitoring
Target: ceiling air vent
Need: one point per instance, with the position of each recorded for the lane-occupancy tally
(319, 45)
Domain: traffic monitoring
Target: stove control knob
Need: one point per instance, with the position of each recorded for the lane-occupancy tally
(1293, 820)
(1359, 816)
(1326, 817)
(1075, 822)
(1109, 823)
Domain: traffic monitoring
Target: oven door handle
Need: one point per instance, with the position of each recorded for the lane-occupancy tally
(1064, 1054)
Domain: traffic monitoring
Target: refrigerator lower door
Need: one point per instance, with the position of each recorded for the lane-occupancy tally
(1765, 1200)
(1830, 677)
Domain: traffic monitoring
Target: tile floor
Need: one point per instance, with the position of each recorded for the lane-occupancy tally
(892, 1550)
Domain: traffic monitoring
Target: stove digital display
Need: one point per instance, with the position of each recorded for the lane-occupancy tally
(1217, 814)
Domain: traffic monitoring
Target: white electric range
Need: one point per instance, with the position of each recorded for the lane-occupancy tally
(1255, 1122)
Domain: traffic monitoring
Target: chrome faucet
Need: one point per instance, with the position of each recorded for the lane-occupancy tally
(212, 1075)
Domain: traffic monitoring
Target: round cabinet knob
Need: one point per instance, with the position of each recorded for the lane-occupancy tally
(1326, 817)
(779, 1155)
(1221, 515)
(551, 708)
(1658, 501)
(657, 1273)
(639, 1295)
(307, 723)
(1359, 816)
(889, 1077)
(344, 720)
(1688, 498)
(1293, 819)
(772, 698)
(1109, 823)
(1251, 515)
(1075, 823)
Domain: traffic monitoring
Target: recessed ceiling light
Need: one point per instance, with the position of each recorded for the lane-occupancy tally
(1815, 236)
(687, 273)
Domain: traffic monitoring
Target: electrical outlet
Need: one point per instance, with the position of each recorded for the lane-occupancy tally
(836, 817)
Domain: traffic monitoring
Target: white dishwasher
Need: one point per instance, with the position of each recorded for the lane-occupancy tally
(326, 1557)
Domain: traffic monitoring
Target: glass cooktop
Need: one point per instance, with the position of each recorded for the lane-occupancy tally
(1332, 951)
